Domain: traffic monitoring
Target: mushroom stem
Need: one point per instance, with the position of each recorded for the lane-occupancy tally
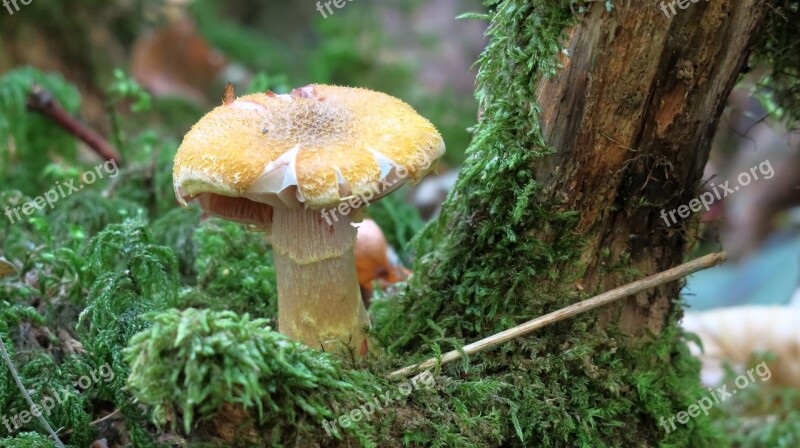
(319, 300)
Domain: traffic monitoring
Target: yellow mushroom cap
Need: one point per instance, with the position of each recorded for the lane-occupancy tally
(316, 147)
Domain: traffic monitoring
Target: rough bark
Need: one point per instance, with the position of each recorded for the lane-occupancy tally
(631, 117)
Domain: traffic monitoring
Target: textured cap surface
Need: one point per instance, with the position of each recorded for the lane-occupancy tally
(316, 147)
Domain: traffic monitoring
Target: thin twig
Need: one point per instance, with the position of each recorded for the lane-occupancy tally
(95, 422)
(14, 374)
(43, 102)
(101, 420)
(566, 313)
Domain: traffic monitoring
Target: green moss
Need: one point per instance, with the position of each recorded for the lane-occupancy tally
(42, 377)
(46, 379)
(190, 364)
(483, 224)
(478, 251)
(234, 270)
(176, 230)
(129, 275)
(27, 440)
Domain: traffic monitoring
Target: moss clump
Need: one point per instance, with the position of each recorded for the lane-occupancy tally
(226, 265)
(27, 440)
(42, 377)
(130, 274)
(234, 271)
(192, 365)
(478, 252)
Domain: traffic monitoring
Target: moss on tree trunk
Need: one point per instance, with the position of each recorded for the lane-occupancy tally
(591, 125)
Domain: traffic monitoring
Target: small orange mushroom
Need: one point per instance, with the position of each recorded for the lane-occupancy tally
(6, 268)
(374, 260)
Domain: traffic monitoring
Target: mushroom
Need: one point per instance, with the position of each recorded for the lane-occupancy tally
(300, 166)
(375, 260)
(6, 268)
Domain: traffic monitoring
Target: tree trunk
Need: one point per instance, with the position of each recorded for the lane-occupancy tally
(631, 117)
(561, 196)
